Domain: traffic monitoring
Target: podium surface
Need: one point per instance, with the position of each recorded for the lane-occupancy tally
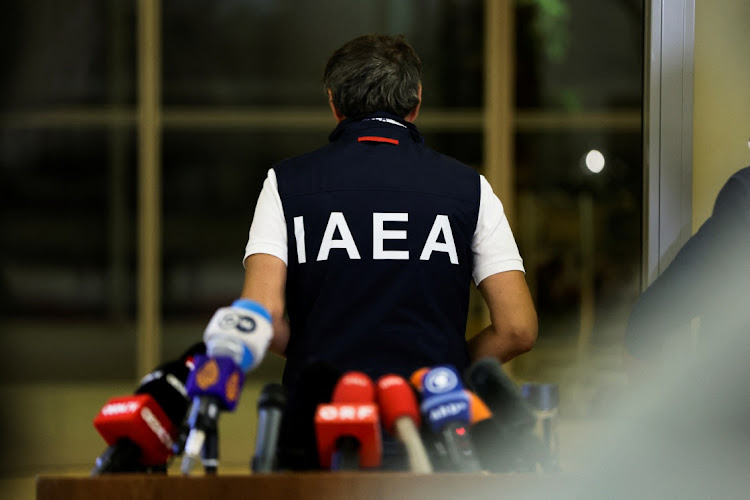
(325, 485)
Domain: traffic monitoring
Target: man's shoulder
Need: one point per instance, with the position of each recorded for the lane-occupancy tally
(447, 160)
(441, 168)
(743, 176)
(734, 196)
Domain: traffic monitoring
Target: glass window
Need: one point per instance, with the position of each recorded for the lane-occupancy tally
(65, 206)
(579, 183)
(67, 277)
(571, 217)
(211, 182)
(73, 53)
(272, 53)
(577, 55)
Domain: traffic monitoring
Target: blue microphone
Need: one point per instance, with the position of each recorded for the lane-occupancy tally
(446, 409)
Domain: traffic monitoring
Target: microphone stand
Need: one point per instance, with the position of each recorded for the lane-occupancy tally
(459, 447)
(346, 456)
(204, 418)
(210, 456)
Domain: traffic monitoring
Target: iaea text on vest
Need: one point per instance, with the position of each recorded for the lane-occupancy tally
(336, 220)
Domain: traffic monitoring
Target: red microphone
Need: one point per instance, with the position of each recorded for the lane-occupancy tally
(143, 430)
(348, 429)
(400, 413)
(139, 422)
(354, 387)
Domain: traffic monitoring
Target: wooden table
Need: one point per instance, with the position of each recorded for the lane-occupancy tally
(323, 485)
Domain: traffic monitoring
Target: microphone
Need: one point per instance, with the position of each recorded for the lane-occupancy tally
(417, 377)
(236, 338)
(271, 404)
(348, 429)
(400, 414)
(141, 430)
(506, 442)
(490, 382)
(298, 446)
(354, 387)
(433, 441)
(215, 385)
(478, 411)
(138, 432)
(544, 399)
(446, 408)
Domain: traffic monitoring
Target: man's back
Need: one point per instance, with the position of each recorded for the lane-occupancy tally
(377, 218)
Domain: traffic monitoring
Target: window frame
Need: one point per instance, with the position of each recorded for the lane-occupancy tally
(667, 132)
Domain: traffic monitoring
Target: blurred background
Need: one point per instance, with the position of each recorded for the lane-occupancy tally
(135, 136)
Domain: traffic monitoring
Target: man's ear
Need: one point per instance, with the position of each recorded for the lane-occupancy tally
(415, 112)
(338, 116)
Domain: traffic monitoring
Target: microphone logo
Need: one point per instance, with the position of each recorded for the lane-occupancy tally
(177, 384)
(154, 375)
(388, 381)
(359, 379)
(233, 387)
(207, 375)
(246, 324)
(440, 380)
(156, 427)
(119, 408)
(353, 413)
(230, 321)
(448, 410)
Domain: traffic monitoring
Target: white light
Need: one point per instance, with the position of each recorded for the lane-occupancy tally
(594, 161)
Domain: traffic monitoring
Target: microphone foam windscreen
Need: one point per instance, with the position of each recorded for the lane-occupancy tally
(490, 382)
(417, 377)
(166, 385)
(192, 351)
(396, 399)
(354, 387)
(477, 408)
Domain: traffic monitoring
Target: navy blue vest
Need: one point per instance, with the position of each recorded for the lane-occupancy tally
(372, 314)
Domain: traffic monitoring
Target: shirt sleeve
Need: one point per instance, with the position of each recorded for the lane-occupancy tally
(494, 247)
(268, 229)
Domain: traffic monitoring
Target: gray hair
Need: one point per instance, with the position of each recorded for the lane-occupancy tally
(374, 73)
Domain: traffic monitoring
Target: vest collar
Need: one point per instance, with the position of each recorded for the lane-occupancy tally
(387, 124)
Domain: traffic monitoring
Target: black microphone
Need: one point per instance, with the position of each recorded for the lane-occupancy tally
(489, 381)
(171, 393)
(298, 448)
(141, 429)
(271, 404)
(506, 442)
